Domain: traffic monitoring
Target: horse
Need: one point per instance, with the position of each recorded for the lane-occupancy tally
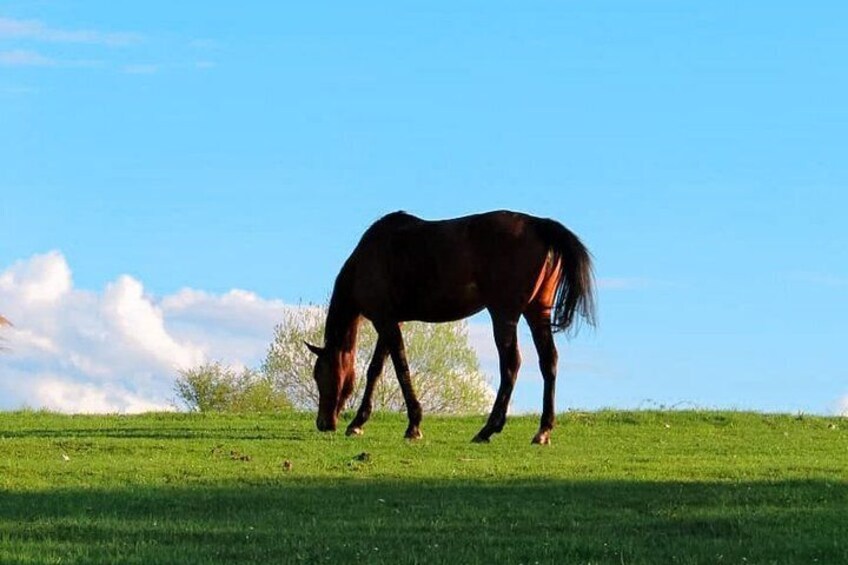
(405, 268)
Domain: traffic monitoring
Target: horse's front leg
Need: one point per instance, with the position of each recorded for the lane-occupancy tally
(393, 339)
(375, 369)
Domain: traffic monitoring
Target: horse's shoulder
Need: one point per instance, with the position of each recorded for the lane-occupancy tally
(399, 217)
(392, 222)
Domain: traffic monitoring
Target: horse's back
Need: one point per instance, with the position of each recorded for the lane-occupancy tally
(456, 244)
(476, 229)
(446, 269)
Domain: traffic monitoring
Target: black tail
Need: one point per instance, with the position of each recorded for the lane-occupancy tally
(575, 292)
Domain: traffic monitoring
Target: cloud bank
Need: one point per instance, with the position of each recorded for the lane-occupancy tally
(120, 349)
(117, 350)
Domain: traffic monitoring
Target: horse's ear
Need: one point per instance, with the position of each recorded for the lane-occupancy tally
(314, 348)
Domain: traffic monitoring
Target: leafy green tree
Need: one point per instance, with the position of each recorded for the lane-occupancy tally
(213, 387)
(444, 366)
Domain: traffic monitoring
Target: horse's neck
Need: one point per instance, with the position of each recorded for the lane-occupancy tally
(342, 318)
(341, 329)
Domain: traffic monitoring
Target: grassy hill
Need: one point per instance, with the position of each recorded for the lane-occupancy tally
(614, 487)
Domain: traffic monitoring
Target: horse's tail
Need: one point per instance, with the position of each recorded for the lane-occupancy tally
(575, 292)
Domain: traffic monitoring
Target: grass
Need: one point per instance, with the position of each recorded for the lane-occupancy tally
(615, 487)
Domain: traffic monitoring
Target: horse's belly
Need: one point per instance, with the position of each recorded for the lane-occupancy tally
(443, 305)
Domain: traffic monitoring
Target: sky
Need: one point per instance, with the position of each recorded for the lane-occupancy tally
(174, 175)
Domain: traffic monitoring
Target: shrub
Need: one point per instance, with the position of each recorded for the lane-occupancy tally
(213, 387)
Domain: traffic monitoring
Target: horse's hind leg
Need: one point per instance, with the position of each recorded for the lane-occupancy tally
(539, 320)
(506, 340)
(375, 369)
(391, 336)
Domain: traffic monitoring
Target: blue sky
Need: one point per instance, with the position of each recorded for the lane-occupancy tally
(698, 149)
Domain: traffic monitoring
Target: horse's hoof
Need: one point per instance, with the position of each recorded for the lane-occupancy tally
(354, 431)
(542, 438)
(413, 434)
(480, 439)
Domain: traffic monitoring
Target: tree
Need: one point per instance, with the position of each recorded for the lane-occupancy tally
(213, 387)
(444, 366)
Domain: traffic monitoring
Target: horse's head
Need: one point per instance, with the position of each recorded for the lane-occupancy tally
(334, 376)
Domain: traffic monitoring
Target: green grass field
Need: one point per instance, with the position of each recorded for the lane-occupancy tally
(614, 487)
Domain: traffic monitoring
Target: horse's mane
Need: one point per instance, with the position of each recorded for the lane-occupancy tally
(341, 316)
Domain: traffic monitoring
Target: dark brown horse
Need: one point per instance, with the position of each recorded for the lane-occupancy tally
(405, 268)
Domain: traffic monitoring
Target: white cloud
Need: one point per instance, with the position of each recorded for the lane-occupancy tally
(820, 279)
(23, 33)
(35, 30)
(481, 339)
(56, 393)
(237, 308)
(117, 350)
(42, 279)
(842, 406)
(26, 42)
(141, 69)
(235, 326)
(140, 323)
(24, 58)
(61, 392)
